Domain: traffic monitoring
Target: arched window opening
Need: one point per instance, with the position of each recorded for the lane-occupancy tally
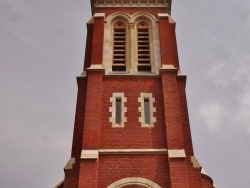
(119, 47)
(143, 47)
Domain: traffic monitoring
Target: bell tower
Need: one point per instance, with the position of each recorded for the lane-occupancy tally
(131, 124)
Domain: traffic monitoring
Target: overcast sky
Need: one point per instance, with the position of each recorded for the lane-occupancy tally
(42, 50)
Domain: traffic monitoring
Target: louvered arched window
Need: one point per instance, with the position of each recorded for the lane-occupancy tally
(143, 47)
(119, 47)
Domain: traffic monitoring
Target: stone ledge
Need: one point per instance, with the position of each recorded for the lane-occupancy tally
(133, 151)
(89, 154)
(176, 153)
(195, 162)
(99, 15)
(70, 164)
(97, 67)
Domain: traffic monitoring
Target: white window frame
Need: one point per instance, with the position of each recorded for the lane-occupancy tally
(112, 109)
(152, 109)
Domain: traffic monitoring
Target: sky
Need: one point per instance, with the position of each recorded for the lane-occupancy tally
(42, 46)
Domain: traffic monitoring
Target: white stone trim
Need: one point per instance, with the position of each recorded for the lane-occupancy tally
(83, 75)
(89, 154)
(131, 41)
(165, 15)
(176, 153)
(168, 67)
(108, 39)
(132, 151)
(134, 181)
(154, 38)
(195, 162)
(70, 164)
(91, 20)
(139, 3)
(95, 67)
(123, 109)
(99, 15)
(152, 109)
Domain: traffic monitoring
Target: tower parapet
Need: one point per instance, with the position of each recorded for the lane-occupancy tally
(131, 4)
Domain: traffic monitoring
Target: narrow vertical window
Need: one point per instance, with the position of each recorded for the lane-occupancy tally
(143, 47)
(118, 110)
(119, 47)
(147, 110)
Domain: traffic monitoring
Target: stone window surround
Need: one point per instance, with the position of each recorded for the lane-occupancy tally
(131, 41)
(151, 106)
(113, 110)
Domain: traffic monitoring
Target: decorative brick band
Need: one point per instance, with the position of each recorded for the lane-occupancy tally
(176, 153)
(89, 154)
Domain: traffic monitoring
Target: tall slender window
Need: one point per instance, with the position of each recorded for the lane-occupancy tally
(118, 111)
(146, 111)
(119, 47)
(143, 47)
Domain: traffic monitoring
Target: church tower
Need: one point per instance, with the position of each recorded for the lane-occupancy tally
(131, 124)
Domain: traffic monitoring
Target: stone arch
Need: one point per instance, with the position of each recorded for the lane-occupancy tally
(111, 20)
(143, 16)
(131, 53)
(134, 181)
(121, 16)
(154, 37)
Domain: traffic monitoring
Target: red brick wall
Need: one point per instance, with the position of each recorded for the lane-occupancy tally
(206, 182)
(79, 118)
(169, 54)
(132, 135)
(172, 110)
(88, 176)
(116, 167)
(184, 118)
(194, 175)
(88, 48)
(93, 119)
(97, 41)
(71, 176)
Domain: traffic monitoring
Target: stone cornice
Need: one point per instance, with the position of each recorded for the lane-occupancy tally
(131, 3)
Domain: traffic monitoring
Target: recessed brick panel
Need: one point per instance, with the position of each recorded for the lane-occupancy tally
(132, 135)
(116, 167)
